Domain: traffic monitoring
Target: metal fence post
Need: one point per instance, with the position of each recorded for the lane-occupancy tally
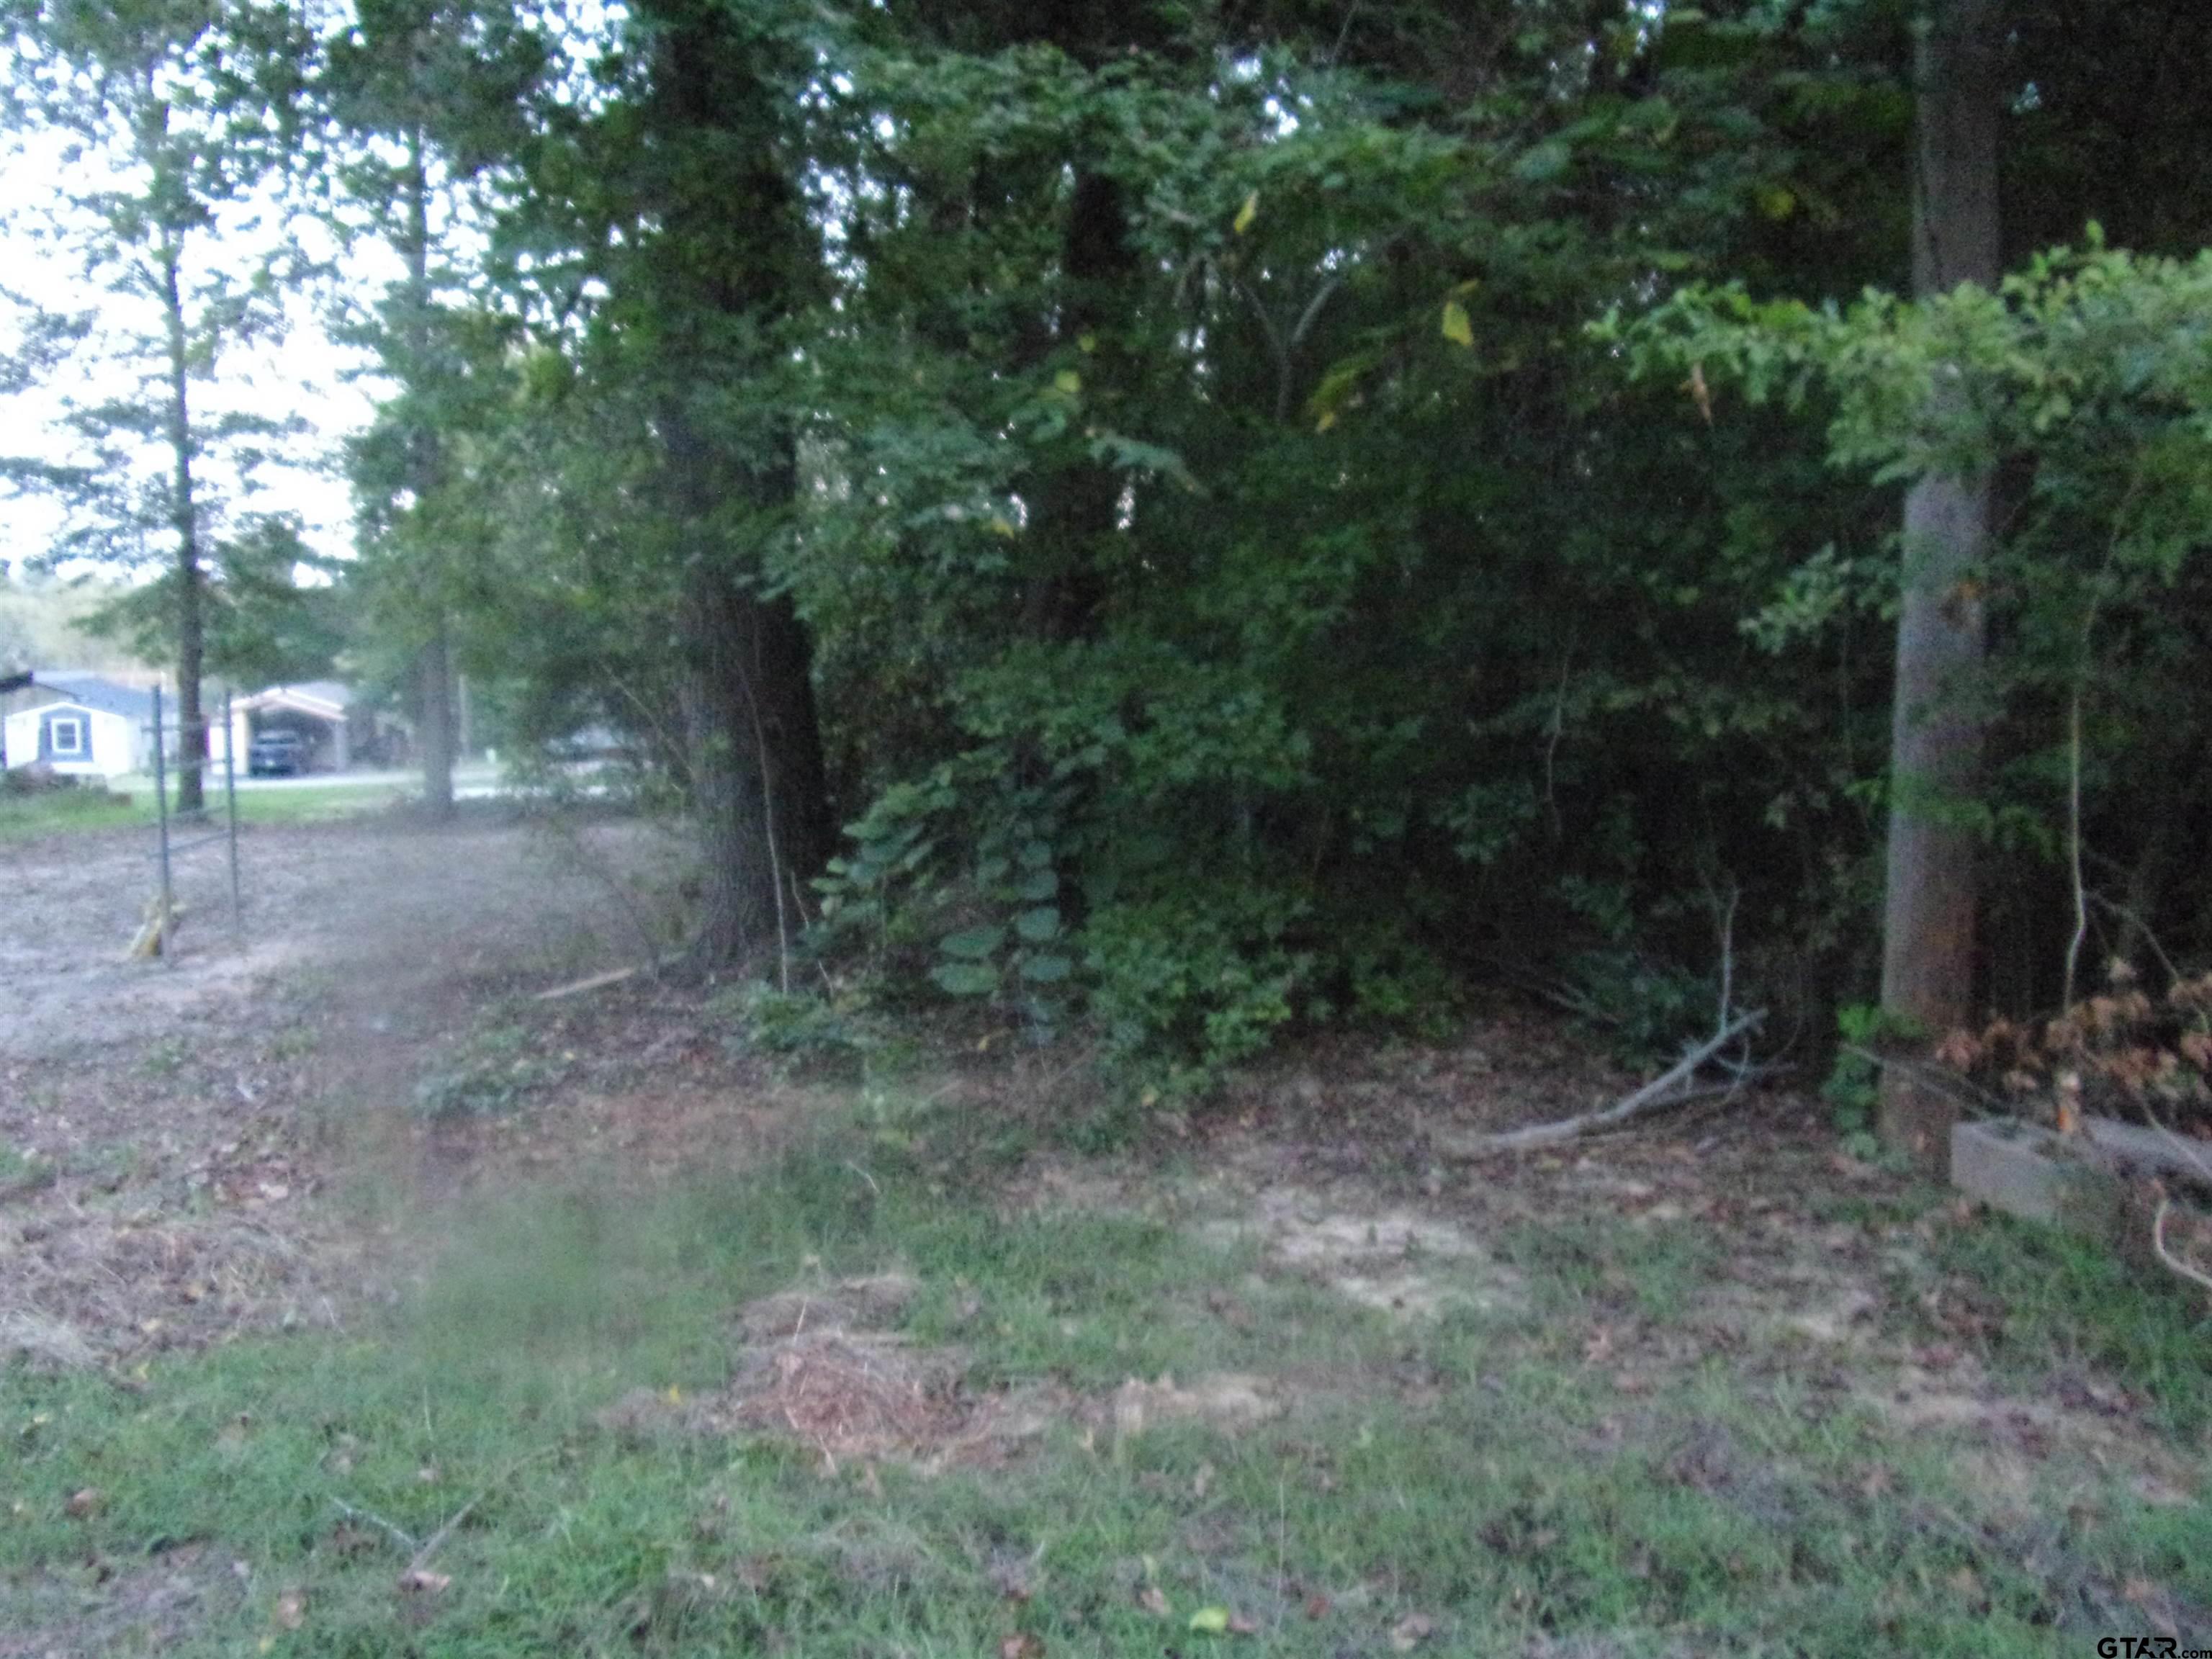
(230, 802)
(162, 821)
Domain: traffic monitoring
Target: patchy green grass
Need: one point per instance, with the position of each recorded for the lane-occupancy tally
(311, 803)
(60, 812)
(1450, 1486)
(130, 803)
(2058, 1302)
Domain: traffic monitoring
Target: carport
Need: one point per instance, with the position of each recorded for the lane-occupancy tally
(320, 712)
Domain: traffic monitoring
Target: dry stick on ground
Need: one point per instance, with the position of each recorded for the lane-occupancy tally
(399, 1535)
(1665, 1090)
(420, 1554)
(590, 983)
(2173, 1262)
(430, 1544)
(576, 987)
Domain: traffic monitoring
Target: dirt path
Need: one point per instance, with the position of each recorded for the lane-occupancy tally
(165, 1127)
(385, 909)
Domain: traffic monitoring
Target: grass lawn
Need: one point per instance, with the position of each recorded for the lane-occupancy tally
(129, 801)
(27, 817)
(536, 1452)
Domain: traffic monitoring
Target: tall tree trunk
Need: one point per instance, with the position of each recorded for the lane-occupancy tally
(1935, 744)
(434, 667)
(733, 239)
(753, 743)
(1077, 505)
(755, 766)
(184, 519)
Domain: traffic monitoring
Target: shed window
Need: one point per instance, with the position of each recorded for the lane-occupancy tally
(68, 734)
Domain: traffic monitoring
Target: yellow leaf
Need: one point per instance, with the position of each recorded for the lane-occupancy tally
(675, 1394)
(1210, 1622)
(1327, 420)
(1457, 328)
(1086, 342)
(1245, 216)
(1067, 381)
(1001, 524)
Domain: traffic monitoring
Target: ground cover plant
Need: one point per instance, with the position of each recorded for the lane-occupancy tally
(1370, 1485)
(687, 1352)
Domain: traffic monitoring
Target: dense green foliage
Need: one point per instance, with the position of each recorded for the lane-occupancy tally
(1174, 450)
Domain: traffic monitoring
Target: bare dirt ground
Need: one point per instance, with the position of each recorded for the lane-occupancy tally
(172, 1131)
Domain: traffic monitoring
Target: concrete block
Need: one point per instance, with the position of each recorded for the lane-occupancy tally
(2025, 1170)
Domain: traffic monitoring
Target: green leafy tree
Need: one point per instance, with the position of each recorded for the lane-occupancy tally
(428, 104)
(169, 114)
(263, 624)
(2088, 377)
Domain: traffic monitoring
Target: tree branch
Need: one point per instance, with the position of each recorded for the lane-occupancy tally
(2165, 1256)
(1666, 1090)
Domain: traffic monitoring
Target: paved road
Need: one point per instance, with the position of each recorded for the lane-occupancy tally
(473, 780)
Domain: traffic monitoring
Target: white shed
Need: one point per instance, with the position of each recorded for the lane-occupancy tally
(82, 726)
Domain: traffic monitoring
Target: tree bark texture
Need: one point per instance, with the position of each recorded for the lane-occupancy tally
(184, 519)
(729, 250)
(756, 761)
(434, 666)
(1077, 505)
(1936, 748)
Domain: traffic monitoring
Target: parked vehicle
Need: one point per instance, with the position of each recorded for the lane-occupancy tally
(277, 755)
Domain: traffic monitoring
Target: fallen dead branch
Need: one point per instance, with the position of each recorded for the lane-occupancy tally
(430, 1544)
(399, 1535)
(1669, 1088)
(593, 982)
(2172, 1261)
(612, 976)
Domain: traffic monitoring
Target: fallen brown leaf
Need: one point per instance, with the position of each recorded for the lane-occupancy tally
(1154, 1600)
(1022, 1645)
(292, 1609)
(423, 1581)
(1241, 1624)
(82, 1501)
(1317, 1605)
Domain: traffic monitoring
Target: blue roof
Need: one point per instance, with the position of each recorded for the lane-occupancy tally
(94, 692)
